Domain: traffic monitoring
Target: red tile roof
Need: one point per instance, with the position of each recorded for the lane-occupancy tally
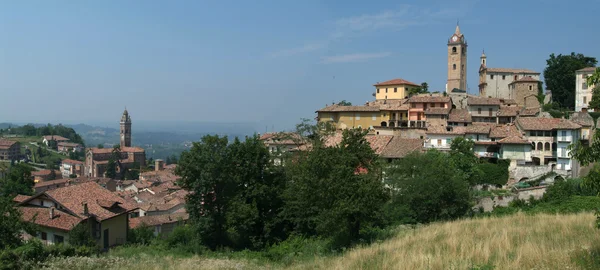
(396, 82)
(71, 161)
(483, 101)
(340, 108)
(132, 150)
(20, 198)
(513, 140)
(459, 116)
(438, 130)
(41, 217)
(157, 220)
(44, 173)
(428, 99)
(525, 79)
(437, 111)
(587, 69)
(538, 123)
(479, 128)
(503, 131)
(509, 111)
(511, 70)
(6, 144)
(401, 147)
(55, 138)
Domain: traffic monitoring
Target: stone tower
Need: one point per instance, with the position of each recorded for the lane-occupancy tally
(457, 61)
(125, 130)
(482, 74)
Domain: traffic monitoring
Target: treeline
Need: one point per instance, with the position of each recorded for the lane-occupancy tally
(31, 130)
(343, 194)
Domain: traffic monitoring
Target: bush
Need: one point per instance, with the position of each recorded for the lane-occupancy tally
(494, 173)
(142, 235)
(296, 248)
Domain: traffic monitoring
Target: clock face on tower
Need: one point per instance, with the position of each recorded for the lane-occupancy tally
(454, 38)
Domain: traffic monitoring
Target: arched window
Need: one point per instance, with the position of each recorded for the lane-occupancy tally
(453, 49)
(454, 67)
(539, 146)
(384, 124)
(483, 61)
(533, 146)
(547, 147)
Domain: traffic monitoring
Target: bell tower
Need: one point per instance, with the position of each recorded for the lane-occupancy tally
(457, 61)
(125, 130)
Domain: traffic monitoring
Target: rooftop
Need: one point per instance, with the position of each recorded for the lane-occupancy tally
(397, 81)
(428, 98)
(483, 101)
(511, 70)
(459, 116)
(537, 123)
(340, 108)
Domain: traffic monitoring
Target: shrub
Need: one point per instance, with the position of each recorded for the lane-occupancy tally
(296, 248)
(141, 235)
(494, 173)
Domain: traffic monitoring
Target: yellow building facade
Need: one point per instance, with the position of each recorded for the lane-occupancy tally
(393, 89)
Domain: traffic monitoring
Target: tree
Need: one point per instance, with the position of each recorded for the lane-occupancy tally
(344, 103)
(426, 193)
(100, 146)
(143, 235)
(11, 225)
(464, 160)
(81, 235)
(113, 163)
(335, 191)
(595, 102)
(560, 76)
(423, 89)
(18, 180)
(53, 145)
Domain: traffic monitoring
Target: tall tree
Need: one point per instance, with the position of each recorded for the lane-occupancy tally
(560, 76)
(11, 225)
(18, 180)
(113, 163)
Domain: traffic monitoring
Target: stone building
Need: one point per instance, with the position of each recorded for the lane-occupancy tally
(10, 150)
(525, 91)
(96, 159)
(457, 61)
(583, 92)
(495, 82)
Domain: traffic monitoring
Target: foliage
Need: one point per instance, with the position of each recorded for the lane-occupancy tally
(18, 180)
(560, 76)
(594, 79)
(81, 235)
(463, 159)
(541, 96)
(595, 102)
(344, 103)
(171, 160)
(494, 173)
(423, 89)
(438, 191)
(235, 192)
(57, 130)
(335, 191)
(113, 163)
(100, 146)
(141, 235)
(11, 225)
(34, 254)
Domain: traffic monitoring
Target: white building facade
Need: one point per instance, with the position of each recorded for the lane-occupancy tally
(583, 92)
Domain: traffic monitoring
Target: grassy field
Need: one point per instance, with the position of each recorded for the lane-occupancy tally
(519, 241)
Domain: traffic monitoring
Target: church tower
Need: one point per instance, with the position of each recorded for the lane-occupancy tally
(457, 61)
(125, 130)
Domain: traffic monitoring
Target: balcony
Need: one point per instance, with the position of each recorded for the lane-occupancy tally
(398, 123)
(563, 138)
(487, 154)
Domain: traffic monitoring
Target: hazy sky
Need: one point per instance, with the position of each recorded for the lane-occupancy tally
(266, 62)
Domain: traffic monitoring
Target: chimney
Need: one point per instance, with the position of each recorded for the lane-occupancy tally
(52, 212)
(85, 209)
(159, 165)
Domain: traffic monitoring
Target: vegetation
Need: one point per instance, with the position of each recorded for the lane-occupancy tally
(423, 89)
(560, 76)
(344, 103)
(31, 130)
(17, 180)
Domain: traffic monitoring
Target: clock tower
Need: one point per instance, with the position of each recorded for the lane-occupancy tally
(125, 130)
(457, 61)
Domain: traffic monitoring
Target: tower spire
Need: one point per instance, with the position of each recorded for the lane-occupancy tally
(457, 31)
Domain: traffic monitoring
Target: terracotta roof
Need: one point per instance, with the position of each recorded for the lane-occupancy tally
(378, 142)
(508, 101)
(54, 138)
(339, 108)
(51, 183)
(529, 112)
(582, 118)
(478, 128)
(438, 130)
(96, 150)
(132, 150)
(483, 101)
(281, 138)
(6, 144)
(503, 131)
(68, 144)
(44, 173)
(437, 111)
(71, 161)
(459, 115)
(526, 79)
(536, 123)
(396, 82)
(587, 69)
(73, 197)
(509, 111)
(428, 99)
(400, 147)
(20, 198)
(157, 220)
(513, 140)
(511, 70)
(41, 217)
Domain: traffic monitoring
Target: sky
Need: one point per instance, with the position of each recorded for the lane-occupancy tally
(269, 63)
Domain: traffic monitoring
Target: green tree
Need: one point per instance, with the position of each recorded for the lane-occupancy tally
(11, 225)
(143, 235)
(595, 102)
(427, 187)
(560, 76)
(81, 235)
(335, 191)
(464, 159)
(18, 180)
(100, 146)
(113, 163)
(344, 103)
(423, 89)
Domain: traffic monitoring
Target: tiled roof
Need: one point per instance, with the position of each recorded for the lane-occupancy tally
(339, 108)
(68, 144)
(525, 79)
(509, 111)
(438, 130)
(379, 142)
(483, 101)
(44, 173)
(503, 131)
(6, 144)
(41, 217)
(281, 138)
(511, 70)
(20, 198)
(55, 138)
(459, 115)
(513, 140)
(478, 128)
(587, 69)
(59, 182)
(96, 150)
(396, 82)
(71, 161)
(428, 99)
(400, 147)
(537, 123)
(582, 118)
(437, 111)
(73, 197)
(529, 112)
(157, 220)
(508, 101)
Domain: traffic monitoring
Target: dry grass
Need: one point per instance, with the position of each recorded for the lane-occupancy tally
(513, 242)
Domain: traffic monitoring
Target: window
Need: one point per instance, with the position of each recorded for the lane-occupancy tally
(432, 105)
(453, 49)
(386, 90)
(44, 236)
(395, 90)
(453, 66)
(516, 77)
(58, 239)
(530, 88)
(490, 111)
(503, 77)
(439, 142)
(374, 117)
(548, 133)
(448, 141)
(539, 146)
(358, 117)
(377, 90)
(492, 77)
(584, 86)
(584, 100)
(547, 146)
(478, 110)
(406, 88)
(563, 133)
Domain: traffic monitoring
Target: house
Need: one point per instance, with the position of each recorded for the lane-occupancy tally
(441, 137)
(344, 117)
(50, 185)
(483, 146)
(67, 147)
(279, 143)
(161, 224)
(583, 92)
(393, 89)
(585, 120)
(483, 109)
(10, 150)
(58, 139)
(459, 117)
(399, 147)
(70, 167)
(45, 175)
(419, 104)
(515, 148)
(524, 91)
(58, 211)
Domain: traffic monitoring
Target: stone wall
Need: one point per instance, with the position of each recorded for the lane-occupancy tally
(523, 91)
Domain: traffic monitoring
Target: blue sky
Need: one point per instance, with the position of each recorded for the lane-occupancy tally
(265, 62)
